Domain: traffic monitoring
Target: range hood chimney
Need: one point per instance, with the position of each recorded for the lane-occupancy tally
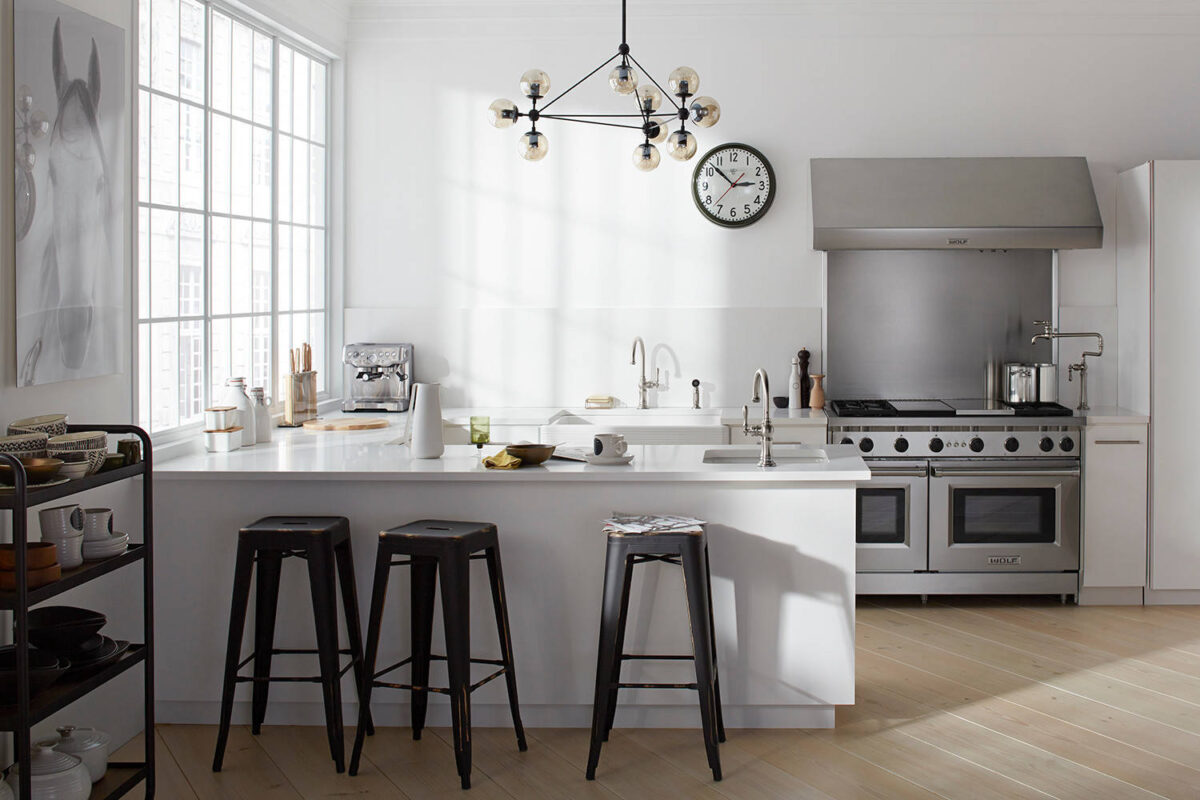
(954, 203)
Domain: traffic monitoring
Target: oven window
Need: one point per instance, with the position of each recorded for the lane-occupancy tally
(1004, 516)
(882, 516)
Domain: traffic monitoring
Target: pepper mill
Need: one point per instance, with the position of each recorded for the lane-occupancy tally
(805, 380)
(818, 392)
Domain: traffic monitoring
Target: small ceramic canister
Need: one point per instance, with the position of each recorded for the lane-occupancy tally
(131, 449)
(61, 522)
(88, 745)
(97, 524)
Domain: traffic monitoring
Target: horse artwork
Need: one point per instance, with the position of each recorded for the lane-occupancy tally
(71, 264)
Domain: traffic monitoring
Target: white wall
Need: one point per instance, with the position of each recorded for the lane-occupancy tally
(524, 283)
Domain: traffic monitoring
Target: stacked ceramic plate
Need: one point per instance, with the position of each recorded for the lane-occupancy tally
(108, 547)
(49, 424)
(25, 445)
(89, 446)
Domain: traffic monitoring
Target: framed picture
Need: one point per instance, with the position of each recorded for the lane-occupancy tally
(71, 139)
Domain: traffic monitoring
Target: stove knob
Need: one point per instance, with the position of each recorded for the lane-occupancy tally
(1067, 444)
(866, 445)
(847, 440)
(1046, 444)
(1011, 444)
(936, 445)
(901, 445)
(976, 445)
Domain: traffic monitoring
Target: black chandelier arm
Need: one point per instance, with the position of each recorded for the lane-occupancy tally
(565, 118)
(563, 94)
(638, 116)
(646, 72)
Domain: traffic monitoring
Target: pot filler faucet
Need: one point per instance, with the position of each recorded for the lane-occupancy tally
(643, 384)
(764, 429)
(1049, 334)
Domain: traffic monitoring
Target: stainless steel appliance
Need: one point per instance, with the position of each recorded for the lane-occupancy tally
(1030, 383)
(379, 376)
(965, 497)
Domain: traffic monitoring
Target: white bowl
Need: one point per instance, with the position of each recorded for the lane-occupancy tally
(74, 469)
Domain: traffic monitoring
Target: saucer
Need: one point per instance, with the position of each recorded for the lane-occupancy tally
(610, 461)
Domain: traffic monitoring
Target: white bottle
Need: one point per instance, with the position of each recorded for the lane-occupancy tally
(794, 385)
(425, 419)
(235, 395)
(262, 415)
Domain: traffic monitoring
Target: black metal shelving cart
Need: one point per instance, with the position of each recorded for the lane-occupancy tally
(28, 711)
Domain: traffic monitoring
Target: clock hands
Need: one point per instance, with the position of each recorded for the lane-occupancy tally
(722, 174)
(731, 184)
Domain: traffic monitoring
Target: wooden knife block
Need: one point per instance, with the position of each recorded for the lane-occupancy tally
(299, 398)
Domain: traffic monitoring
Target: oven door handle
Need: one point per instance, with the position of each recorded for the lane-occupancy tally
(941, 472)
(884, 472)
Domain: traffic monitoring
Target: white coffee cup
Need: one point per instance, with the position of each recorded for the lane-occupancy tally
(70, 551)
(609, 445)
(97, 524)
(61, 522)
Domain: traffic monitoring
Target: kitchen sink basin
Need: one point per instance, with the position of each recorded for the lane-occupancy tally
(647, 426)
(783, 454)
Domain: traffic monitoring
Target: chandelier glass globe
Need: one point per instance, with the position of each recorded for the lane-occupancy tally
(646, 157)
(623, 79)
(681, 145)
(664, 130)
(683, 81)
(705, 111)
(533, 146)
(502, 113)
(649, 99)
(535, 83)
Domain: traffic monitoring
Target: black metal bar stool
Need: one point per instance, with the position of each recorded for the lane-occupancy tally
(685, 547)
(324, 542)
(432, 547)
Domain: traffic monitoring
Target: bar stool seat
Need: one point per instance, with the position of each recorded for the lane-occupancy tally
(440, 547)
(672, 540)
(324, 542)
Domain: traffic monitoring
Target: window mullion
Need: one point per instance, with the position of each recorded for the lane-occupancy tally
(276, 348)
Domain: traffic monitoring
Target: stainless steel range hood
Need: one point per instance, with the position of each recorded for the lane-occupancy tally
(954, 203)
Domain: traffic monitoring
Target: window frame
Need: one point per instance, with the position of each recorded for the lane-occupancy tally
(279, 37)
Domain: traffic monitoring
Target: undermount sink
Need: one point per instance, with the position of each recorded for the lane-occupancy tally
(646, 426)
(783, 454)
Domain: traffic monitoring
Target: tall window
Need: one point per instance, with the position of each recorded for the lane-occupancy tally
(233, 265)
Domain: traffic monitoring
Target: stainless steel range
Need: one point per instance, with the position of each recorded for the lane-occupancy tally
(966, 496)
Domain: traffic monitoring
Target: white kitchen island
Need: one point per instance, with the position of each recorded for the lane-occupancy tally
(781, 543)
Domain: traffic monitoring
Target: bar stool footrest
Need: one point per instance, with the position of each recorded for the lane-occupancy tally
(692, 686)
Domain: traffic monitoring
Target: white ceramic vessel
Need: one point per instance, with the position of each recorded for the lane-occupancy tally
(425, 416)
(97, 524)
(235, 395)
(88, 745)
(54, 775)
(223, 441)
(262, 415)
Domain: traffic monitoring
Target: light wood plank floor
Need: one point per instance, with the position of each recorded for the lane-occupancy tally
(980, 699)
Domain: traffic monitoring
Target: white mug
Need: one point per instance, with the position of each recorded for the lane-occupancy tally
(70, 551)
(61, 522)
(97, 524)
(609, 445)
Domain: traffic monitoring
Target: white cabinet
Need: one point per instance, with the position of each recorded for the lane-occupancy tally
(1114, 506)
(1158, 292)
(813, 435)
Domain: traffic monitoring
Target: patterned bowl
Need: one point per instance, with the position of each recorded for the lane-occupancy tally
(25, 445)
(94, 457)
(81, 440)
(50, 424)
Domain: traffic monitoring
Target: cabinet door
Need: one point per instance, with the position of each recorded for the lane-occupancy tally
(812, 435)
(1114, 506)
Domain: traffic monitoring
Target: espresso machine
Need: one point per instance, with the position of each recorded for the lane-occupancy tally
(378, 376)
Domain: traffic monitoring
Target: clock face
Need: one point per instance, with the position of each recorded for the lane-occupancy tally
(733, 185)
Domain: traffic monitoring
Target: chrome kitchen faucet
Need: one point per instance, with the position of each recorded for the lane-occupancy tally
(643, 384)
(1050, 334)
(764, 429)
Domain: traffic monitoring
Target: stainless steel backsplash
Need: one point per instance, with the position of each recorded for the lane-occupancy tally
(929, 323)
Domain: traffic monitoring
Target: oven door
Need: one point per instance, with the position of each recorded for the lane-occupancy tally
(892, 518)
(1003, 516)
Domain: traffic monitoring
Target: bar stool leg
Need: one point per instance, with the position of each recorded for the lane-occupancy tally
(456, 609)
(383, 569)
(712, 626)
(694, 576)
(614, 573)
(242, 573)
(421, 597)
(345, 568)
(321, 578)
(500, 603)
(618, 661)
(266, 601)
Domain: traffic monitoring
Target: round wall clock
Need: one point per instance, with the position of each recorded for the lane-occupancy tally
(733, 185)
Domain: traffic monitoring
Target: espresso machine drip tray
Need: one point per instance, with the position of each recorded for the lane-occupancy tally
(378, 376)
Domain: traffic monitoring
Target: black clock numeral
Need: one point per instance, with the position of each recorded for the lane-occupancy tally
(720, 161)
(719, 207)
(758, 172)
(732, 212)
(709, 172)
(705, 186)
(762, 186)
(733, 157)
(758, 200)
(747, 207)
(708, 199)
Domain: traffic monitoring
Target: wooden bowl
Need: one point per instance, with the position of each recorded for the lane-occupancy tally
(37, 470)
(38, 555)
(530, 454)
(33, 577)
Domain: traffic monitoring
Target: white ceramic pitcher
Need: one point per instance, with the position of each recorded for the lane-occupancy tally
(425, 421)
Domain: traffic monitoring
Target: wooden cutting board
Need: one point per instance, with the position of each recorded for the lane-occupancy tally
(346, 424)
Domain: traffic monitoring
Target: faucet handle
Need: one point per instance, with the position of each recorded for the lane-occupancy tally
(746, 419)
(1044, 325)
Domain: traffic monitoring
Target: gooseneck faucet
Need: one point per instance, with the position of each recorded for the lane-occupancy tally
(764, 429)
(1049, 334)
(643, 384)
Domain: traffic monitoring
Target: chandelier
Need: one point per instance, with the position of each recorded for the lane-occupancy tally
(654, 124)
